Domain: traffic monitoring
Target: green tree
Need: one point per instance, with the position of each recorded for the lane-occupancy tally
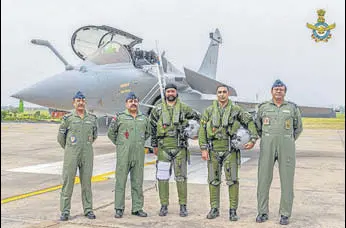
(21, 106)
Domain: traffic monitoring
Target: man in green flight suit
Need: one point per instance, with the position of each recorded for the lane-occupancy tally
(128, 131)
(219, 124)
(77, 132)
(279, 124)
(169, 120)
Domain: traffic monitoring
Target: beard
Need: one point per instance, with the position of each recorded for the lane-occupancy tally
(171, 98)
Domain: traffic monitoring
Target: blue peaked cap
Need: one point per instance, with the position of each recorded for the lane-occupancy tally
(279, 83)
(131, 95)
(79, 95)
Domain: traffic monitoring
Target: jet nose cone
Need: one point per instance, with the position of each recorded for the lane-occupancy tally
(24, 94)
(44, 93)
(17, 95)
(28, 94)
(54, 92)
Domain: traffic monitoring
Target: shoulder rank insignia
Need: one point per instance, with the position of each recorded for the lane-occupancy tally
(321, 30)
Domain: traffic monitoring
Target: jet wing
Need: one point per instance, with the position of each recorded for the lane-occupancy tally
(87, 39)
(203, 83)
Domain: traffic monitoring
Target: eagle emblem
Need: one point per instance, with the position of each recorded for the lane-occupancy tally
(321, 30)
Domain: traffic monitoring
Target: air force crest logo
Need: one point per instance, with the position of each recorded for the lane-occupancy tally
(321, 30)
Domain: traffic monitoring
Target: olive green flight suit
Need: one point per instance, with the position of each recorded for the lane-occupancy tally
(218, 126)
(167, 133)
(278, 128)
(129, 135)
(76, 136)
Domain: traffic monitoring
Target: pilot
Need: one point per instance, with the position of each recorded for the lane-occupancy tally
(137, 53)
(128, 131)
(77, 132)
(219, 124)
(169, 141)
(279, 125)
(152, 57)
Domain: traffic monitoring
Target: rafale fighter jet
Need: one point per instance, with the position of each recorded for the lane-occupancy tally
(113, 65)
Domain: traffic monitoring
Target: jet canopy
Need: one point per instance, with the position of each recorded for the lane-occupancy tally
(111, 52)
(88, 40)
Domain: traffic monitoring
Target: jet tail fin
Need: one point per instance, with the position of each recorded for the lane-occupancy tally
(209, 64)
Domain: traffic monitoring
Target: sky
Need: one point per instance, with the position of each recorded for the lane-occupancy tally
(262, 41)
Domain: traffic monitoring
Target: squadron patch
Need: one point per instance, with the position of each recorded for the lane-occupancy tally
(288, 124)
(126, 134)
(266, 121)
(73, 139)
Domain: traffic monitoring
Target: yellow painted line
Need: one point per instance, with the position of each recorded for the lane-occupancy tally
(97, 178)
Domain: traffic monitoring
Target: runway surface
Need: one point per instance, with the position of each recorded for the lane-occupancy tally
(31, 166)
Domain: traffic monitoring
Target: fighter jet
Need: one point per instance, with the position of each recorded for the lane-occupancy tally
(112, 66)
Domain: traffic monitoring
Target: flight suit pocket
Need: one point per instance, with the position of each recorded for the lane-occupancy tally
(88, 127)
(75, 126)
(288, 124)
(269, 117)
(268, 120)
(288, 120)
(290, 162)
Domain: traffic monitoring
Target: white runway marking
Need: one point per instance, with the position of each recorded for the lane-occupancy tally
(197, 170)
(102, 164)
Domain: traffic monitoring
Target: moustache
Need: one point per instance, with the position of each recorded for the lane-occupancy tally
(135, 106)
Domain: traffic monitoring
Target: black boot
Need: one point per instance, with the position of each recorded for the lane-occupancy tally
(213, 213)
(233, 215)
(64, 216)
(118, 213)
(140, 213)
(262, 218)
(183, 211)
(90, 215)
(163, 210)
(284, 220)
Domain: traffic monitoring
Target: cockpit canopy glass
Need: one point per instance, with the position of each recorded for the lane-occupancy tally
(87, 40)
(111, 52)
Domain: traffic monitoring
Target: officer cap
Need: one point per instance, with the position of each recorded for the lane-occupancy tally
(170, 86)
(279, 83)
(131, 95)
(79, 95)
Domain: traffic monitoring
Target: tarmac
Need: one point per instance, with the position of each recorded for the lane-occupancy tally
(31, 163)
